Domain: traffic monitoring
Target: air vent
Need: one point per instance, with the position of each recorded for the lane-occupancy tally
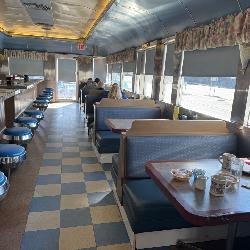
(37, 6)
(44, 26)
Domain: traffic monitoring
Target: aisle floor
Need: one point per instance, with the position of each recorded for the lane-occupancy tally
(73, 206)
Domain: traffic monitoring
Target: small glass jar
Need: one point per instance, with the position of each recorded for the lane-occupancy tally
(236, 168)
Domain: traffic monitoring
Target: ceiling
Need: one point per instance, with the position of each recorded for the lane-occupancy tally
(61, 19)
(127, 23)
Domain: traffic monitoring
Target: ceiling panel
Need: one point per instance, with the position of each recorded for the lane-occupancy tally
(59, 19)
(131, 23)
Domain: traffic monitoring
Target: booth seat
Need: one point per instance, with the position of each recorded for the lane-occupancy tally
(90, 100)
(115, 167)
(108, 142)
(147, 209)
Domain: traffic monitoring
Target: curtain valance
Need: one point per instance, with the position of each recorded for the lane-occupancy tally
(123, 56)
(227, 31)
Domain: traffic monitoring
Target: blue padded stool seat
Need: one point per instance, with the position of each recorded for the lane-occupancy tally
(46, 98)
(28, 122)
(49, 89)
(41, 104)
(148, 209)
(11, 156)
(49, 96)
(18, 135)
(15, 153)
(107, 142)
(4, 185)
(34, 113)
(47, 92)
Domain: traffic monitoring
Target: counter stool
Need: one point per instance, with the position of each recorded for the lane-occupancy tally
(48, 92)
(42, 105)
(44, 98)
(34, 113)
(11, 156)
(4, 185)
(17, 135)
(28, 122)
(46, 95)
(49, 89)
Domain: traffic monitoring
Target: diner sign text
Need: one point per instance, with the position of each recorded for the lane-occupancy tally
(21, 54)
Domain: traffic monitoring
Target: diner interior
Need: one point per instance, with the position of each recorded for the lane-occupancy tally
(124, 124)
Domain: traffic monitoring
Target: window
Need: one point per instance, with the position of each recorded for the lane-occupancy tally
(26, 67)
(128, 81)
(208, 81)
(149, 72)
(168, 74)
(109, 71)
(212, 96)
(148, 84)
(137, 84)
(128, 73)
(116, 73)
(108, 78)
(167, 88)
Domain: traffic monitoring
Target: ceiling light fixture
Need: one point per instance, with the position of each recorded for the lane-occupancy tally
(37, 6)
(44, 26)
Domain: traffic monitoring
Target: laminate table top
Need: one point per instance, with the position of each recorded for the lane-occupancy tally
(200, 207)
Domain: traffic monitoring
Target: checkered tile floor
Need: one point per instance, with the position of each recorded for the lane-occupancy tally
(73, 206)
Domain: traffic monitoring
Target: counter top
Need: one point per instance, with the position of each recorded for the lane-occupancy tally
(7, 91)
(27, 85)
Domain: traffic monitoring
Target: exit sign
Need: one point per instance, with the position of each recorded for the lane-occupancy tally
(82, 46)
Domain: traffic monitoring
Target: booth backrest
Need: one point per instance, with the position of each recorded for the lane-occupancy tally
(140, 149)
(96, 92)
(181, 127)
(107, 102)
(172, 140)
(90, 100)
(104, 113)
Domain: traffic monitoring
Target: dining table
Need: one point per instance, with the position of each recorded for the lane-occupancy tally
(198, 207)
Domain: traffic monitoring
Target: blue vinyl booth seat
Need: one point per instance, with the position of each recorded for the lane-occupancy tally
(146, 207)
(109, 142)
(4, 186)
(90, 101)
(17, 135)
(34, 113)
(115, 168)
(28, 122)
(89, 109)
